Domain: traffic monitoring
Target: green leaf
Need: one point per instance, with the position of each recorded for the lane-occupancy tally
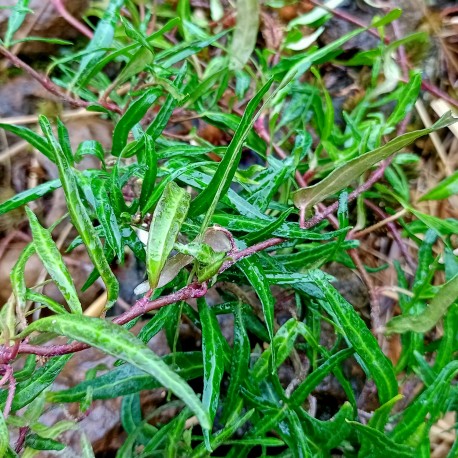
(15, 20)
(239, 364)
(377, 422)
(446, 188)
(282, 345)
(131, 117)
(118, 342)
(381, 445)
(42, 378)
(213, 355)
(52, 260)
(314, 15)
(388, 18)
(18, 276)
(45, 300)
(223, 435)
(160, 121)
(245, 33)
(253, 271)
(374, 362)
(103, 37)
(148, 158)
(344, 175)
(127, 379)
(222, 178)
(41, 443)
(437, 308)
(313, 380)
(428, 405)
(406, 100)
(31, 138)
(79, 215)
(168, 217)
(327, 434)
(90, 148)
(28, 195)
(4, 435)
(107, 217)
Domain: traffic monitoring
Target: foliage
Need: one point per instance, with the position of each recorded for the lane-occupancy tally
(213, 222)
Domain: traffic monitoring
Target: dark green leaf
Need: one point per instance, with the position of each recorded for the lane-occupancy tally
(79, 215)
(119, 342)
(52, 260)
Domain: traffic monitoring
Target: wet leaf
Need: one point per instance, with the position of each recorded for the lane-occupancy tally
(168, 217)
(79, 215)
(52, 260)
(213, 355)
(118, 342)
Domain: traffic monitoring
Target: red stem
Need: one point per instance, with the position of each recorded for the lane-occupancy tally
(376, 176)
(60, 8)
(50, 86)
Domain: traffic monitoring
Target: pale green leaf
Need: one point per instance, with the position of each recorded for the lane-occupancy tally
(344, 175)
(168, 217)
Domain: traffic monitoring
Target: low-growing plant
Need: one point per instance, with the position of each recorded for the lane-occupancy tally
(251, 233)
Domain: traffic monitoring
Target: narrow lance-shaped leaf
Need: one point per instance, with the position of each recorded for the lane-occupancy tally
(356, 333)
(37, 141)
(52, 260)
(222, 178)
(102, 38)
(245, 33)
(4, 435)
(406, 101)
(343, 176)
(17, 275)
(436, 309)
(381, 445)
(257, 278)
(28, 195)
(168, 217)
(131, 117)
(120, 343)
(107, 218)
(149, 160)
(15, 21)
(41, 379)
(446, 188)
(240, 362)
(80, 217)
(213, 356)
(429, 404)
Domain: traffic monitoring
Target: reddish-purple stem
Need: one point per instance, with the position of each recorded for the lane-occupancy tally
(352, 196)
(23, 430)
(394, 232)
(60, 8)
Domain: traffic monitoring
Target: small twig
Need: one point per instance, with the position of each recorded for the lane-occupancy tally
(23, 430)
(384, 222)
(8, 378)
(50, 86)
(60, 8)
(394, 232)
